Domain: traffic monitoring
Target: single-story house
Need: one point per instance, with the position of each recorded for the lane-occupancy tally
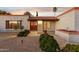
(12, 22)
(65, 25)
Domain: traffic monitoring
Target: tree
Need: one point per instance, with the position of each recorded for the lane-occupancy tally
(36, 13)
(28, 13)
(54, 10)
(4, 13)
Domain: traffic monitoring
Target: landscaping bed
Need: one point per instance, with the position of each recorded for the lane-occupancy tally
(71, 48)
(23, 33)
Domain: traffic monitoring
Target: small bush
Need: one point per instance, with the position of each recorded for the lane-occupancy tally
(22, 27)
(71, 48)
(48, 43)
(23, 33)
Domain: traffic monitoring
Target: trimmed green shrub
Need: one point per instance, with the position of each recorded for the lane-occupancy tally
(22, 27)
(23, 33)
(71, 48)
(48, 43)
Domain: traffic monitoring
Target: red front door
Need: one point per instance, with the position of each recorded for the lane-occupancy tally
(33, 25)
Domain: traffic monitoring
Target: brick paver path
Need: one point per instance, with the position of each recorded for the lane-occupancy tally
(30, 44)
(10, 43)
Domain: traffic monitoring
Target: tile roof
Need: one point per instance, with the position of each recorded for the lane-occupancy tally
(44, 18)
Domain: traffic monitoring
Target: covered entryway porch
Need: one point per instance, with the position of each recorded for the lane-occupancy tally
(39, 24)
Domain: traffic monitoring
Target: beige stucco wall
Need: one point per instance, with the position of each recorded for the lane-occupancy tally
(77, 20)
(67, 21)
(3, 19)
(75, 38)
(52, 26)
(28, 25)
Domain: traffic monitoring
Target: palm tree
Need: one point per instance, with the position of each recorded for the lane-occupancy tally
(54, 10)
(36, 13)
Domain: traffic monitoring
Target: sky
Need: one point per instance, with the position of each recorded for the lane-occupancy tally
(42, 11)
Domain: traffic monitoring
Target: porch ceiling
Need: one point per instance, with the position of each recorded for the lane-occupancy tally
(43, 18)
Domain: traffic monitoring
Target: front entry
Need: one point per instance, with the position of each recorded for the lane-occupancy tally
(33, 25)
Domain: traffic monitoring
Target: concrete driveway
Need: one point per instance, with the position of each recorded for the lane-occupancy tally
(10, 43)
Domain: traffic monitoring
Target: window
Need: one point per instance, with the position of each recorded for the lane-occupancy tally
(10, 24)
(47, 25)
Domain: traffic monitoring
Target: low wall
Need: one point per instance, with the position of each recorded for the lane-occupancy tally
(71, 36)
(9, 30)
(63, 35)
